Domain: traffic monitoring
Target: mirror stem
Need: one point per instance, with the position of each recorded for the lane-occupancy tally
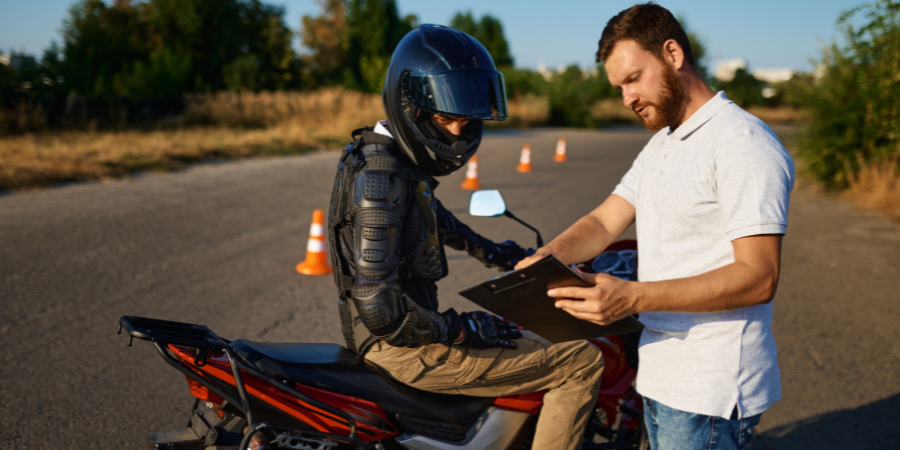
(540, 242)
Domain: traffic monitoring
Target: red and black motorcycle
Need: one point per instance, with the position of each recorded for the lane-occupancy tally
(258, 395)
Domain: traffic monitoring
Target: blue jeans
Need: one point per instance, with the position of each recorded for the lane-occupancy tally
(672, 429)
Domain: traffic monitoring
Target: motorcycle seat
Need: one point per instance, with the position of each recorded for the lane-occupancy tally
(335, 368)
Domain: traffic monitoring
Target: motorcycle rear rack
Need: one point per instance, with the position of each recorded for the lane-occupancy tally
(165, 332)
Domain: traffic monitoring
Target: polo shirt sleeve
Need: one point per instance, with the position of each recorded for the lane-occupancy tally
(628, 187)
(754, 179)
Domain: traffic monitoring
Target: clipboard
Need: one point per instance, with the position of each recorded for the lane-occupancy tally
(521, 296)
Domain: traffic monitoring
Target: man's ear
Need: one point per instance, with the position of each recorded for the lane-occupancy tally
(673, 54)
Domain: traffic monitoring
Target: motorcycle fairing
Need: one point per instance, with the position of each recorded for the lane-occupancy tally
(273, 405)
(497, 428)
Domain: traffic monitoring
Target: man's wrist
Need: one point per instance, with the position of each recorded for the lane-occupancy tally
(548, 249)
(456, 330)
(462, 334)
(635, 296)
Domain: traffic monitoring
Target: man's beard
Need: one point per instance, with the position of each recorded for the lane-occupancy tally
(668, 109)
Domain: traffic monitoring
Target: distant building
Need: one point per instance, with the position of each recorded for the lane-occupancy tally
(725, 69)
(773, 75)
(545, 71)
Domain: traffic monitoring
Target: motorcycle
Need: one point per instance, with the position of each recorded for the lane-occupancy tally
(259, 395)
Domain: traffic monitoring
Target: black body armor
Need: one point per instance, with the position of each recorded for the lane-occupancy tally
(387, 236)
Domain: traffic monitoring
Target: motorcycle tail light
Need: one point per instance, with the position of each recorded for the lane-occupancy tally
(201, 392)
(258, 442)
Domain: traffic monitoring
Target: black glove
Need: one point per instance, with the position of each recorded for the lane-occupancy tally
(507, 254)
(485, 330)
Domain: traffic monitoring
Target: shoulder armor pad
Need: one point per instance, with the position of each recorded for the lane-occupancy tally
(378, 214)
(378, 189)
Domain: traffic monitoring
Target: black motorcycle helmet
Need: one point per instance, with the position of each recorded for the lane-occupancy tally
(440, 70)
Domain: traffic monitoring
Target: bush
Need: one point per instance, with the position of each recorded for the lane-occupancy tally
(744, 89)
(855, 105)
(527, 110)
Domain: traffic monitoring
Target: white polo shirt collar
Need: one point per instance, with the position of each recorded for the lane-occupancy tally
(701, 116)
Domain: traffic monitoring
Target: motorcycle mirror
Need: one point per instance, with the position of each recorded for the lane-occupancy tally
(488, 203)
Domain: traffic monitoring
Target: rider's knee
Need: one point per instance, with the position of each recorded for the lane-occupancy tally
(587, 361)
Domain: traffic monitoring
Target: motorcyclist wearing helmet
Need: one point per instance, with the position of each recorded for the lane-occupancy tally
(387, 239)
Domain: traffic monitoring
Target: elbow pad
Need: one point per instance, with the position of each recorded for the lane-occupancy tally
(399, 321)
(379, 313)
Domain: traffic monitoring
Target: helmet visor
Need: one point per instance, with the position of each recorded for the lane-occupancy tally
(471, 93)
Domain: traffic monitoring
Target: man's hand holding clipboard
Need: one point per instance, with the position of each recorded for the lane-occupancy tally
(608, 299)
(603, 303)
(523, 296)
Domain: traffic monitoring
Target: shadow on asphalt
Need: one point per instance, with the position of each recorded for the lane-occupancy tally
(875, 426)
(526, 132)
(516, 185)
(567, 168)
(624, 128)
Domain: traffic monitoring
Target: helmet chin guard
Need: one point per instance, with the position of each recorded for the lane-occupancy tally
(438, 70)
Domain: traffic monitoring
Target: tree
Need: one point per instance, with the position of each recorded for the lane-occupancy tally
(521, 82)
(351, 43)
(208, 32)
(488, 31)
(463, 21)
(743, 89)
(326, 38)
(573, 92)
(698, 49)
(267, 47)
(99, 41)
(163, 48)
(373, 31)
(165, 76)
(855, 106)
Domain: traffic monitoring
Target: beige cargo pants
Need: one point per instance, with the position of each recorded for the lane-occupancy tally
(570, 371)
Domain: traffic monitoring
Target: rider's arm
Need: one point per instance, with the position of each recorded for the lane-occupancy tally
(590, 235)
(459, 236)
(380, 201)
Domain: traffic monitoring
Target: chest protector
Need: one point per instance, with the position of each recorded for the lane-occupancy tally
(385, 245)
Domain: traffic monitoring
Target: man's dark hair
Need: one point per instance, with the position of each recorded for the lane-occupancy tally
(650, 25)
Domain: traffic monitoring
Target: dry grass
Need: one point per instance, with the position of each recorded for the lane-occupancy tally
(612, 111)
(337, 110)
(22, 117)
(221, 126)
(233, 126)
(530, 110)
(877, 188)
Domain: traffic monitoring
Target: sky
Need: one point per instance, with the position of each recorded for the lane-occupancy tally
(766, 33)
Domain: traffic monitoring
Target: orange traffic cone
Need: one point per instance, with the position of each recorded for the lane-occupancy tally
(525, 160)
(471, 183)
(560, 155)
(316, 262)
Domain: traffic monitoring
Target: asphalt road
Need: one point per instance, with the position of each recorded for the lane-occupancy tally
(217, 244)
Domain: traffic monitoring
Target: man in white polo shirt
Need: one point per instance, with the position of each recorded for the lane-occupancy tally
(709, 196)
